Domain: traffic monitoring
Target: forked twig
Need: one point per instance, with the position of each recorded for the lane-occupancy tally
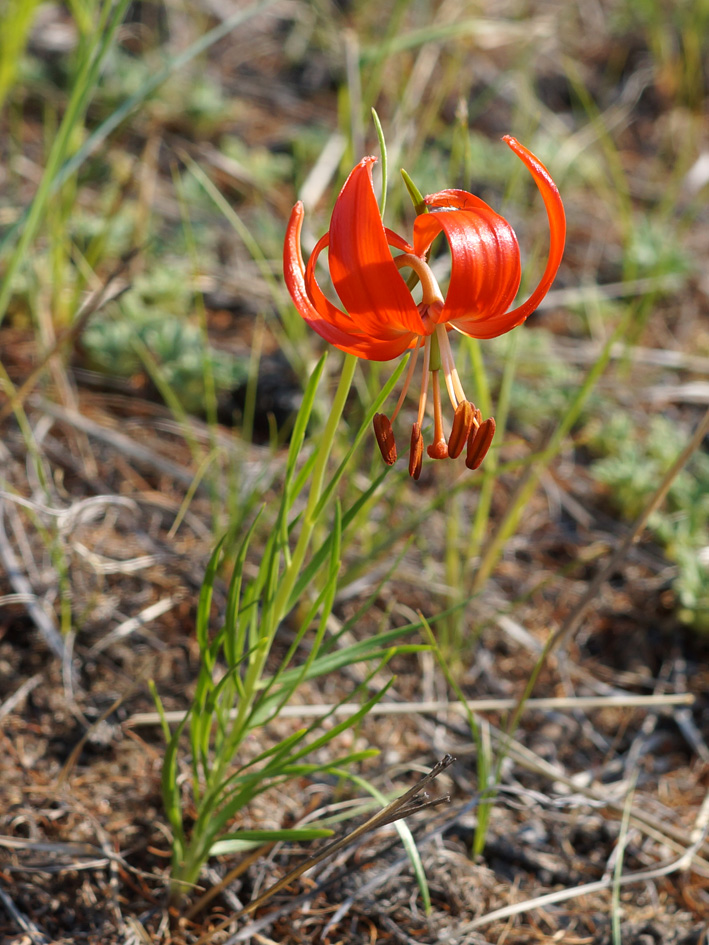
(95, 301)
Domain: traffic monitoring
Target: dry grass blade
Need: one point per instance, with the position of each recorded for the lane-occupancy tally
(229, 878)
(76, 751)
(663, 833)
(69, 856)
(434, 707)
(41, 619)
(563, 895)
(13, 701)
(122, 443)
(36, 936)
(132, 624)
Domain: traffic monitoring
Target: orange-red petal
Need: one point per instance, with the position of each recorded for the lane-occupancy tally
(501, 323)
(557, 225)
(485, 264)
(496, 253)
(325, 318)
(333, 314)
(363, 272)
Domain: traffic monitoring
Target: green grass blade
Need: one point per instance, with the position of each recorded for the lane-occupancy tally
(84, 84)
(383, 152)
(97, 138)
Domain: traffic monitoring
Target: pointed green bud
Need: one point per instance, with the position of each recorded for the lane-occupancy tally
(414, 193)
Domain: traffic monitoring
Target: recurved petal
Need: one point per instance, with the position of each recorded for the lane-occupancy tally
(485, 264)
(325, 318)
(363, 272)
(452, 199)
(557, 226)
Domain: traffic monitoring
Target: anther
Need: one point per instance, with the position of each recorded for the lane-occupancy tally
(479, 443)
(385, 438)
(462, 424)
(416, 454)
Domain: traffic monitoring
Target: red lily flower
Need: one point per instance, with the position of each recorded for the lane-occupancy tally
(381, 320)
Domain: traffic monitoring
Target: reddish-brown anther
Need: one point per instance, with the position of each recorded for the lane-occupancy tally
(479, 443)
(416, 453)
(462, 424)
(385, 438)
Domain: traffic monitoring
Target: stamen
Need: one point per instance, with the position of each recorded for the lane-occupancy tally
(479, 443)
(447, 363)
(462, 425)
(416, 453)
(445, 346)
(407, 381)
(385, 438)
(438, 449)
(424, 381)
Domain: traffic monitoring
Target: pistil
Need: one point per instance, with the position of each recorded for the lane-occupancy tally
(468, 425)
(438, 449)
(431, 292)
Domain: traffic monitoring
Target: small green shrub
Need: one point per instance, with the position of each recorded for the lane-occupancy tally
(156, 315)
(636, 459)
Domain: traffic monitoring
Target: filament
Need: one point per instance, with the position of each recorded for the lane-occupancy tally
(407, 381)
(424, 382)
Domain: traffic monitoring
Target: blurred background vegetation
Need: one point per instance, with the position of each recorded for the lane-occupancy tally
(186, 132)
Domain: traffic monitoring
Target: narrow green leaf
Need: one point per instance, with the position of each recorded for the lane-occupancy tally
(364, 428)
(308, 573)
(368, 649)
(235, 628)
(352, 720)
(383, 152)
(295, 834)
(167, 734)
(325, 602)
(205, 599)
(170, 789)
(303, 416)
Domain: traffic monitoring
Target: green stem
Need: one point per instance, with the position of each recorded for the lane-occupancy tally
(482, 512)
(277, 611)
(310, 515)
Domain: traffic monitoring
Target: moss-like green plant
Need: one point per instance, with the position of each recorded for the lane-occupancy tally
(156, 314)
(634, 462)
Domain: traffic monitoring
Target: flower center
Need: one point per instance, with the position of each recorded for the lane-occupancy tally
(468, 425)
